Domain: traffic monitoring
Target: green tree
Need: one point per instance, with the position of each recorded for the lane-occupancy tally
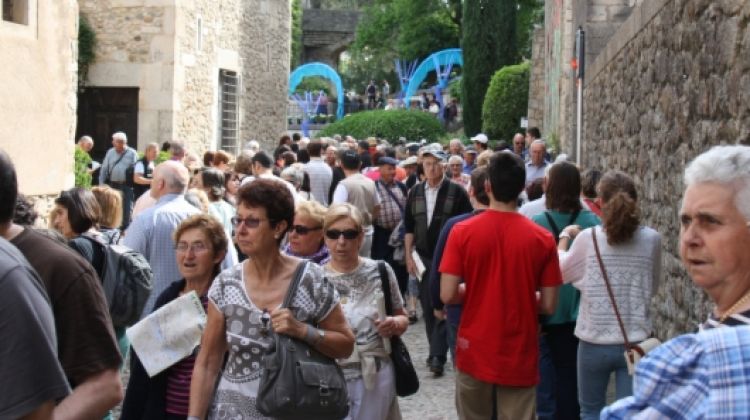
(489, 43)
(507, 100)
(296, 53)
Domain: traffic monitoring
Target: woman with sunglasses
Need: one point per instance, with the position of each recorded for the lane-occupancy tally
(369, 372)
(200, 246)
(306, 235)
(244, 313)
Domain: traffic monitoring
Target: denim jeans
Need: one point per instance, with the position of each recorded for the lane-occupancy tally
(595, 364)
(545, 390)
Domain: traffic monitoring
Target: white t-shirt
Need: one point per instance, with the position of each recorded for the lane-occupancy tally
(139, 169)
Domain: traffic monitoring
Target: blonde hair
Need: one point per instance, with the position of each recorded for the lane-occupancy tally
(313, 210)
(343, 211)
(484, 158)
(110, 203)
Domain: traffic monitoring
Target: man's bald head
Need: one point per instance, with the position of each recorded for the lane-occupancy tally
(170, 177)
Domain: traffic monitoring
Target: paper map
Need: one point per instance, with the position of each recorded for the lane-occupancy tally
(169, 334)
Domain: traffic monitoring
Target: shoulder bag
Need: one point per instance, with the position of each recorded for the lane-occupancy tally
(633, 352)
(407, 382)
(297, 381)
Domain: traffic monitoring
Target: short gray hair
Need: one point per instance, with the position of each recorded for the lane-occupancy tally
(538, 141)
(120, 136)
(86, 140)
(725, 165)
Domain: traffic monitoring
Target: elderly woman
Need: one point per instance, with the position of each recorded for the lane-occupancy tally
(200, 245)
(558, 346)
(703, 375)
(110, 204)
(456, 173)
(306, 234)
(244, 313)
(295, 175)
(631, 254)
(369, 372)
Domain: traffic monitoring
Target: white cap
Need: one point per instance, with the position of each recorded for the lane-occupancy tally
(481, 138)
(411, 160)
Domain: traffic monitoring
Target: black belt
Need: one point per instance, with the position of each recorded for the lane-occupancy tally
(117, 183)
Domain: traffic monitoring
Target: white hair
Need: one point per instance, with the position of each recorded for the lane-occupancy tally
(253, 146)
(539, 141)
(294, 174)
(86, 140)
(455, 159)
(120, 136)
(725, 165)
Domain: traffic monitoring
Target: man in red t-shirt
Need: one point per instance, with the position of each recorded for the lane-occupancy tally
(504, 260)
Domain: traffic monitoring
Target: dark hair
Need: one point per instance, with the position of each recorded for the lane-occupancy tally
(221, 157)
(208, 158)
(262, 159)
(363, 144)
(535, 190)
(500, 146)
(166, 146)
(285, 139)
(280, 150)
(507, 174)
(272, 195)
(83, 209)
(390, 152)
(620, 213)
(589, 180)
(305, 182)
(478, 177)
(8, 188)
(314, 148)
(534, 132)
(563, 188)
(296, 137)
(213, 183)
(303, 156)
(244, 163)
(24, 215)
(289, 158)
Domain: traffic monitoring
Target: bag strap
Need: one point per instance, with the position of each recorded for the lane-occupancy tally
(553, 225)
(385, 283)
(609, 290)
(109, 169)
(294, 284)
(393, 196)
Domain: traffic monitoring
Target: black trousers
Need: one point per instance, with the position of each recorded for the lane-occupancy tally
(382, 251)
(436, 330)
(563, 346)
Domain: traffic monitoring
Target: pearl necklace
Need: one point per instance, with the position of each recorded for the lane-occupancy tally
(737, 304)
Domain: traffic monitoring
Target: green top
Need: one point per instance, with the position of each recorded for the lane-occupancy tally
(81, 168)
(570, 297)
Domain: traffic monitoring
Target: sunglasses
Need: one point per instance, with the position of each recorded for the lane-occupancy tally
(303, 230)
(336, 234)
(249, 222)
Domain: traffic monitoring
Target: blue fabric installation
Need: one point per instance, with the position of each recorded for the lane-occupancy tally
(322, 70)
(437, 62)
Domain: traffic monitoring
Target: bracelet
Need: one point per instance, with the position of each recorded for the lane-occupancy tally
(564, 235)
(193, 418)
(313, 336)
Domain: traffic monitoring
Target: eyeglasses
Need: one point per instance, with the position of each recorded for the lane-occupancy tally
(336, 234)
(303, 230)
(250, 222)
(196, 247)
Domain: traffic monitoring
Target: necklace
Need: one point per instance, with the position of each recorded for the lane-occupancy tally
(736, 305)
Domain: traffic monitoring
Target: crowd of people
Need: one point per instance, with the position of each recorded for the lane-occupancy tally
(505, 250)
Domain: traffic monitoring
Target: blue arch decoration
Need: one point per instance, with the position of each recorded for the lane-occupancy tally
(442, 62)
(322, 70)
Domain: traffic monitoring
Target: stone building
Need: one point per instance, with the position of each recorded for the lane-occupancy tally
(38, 51)
(671, 80)
(213, 74)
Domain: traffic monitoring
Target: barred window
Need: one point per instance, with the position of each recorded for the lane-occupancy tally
(228, 111)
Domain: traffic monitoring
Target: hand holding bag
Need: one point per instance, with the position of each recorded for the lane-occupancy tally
(407, 382)
(633, 352)
(298, 381)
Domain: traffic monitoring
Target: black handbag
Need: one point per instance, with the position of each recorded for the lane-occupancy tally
(298, 381)
(407, 382)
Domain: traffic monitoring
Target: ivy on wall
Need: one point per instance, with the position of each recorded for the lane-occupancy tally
(86, 49)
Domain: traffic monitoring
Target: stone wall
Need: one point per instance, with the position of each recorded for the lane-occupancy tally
(38, 81)
(673, 81)
(535, 113)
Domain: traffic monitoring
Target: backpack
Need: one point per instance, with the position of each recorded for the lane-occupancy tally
(127, 282)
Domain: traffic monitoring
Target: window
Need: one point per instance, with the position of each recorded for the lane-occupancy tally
(228, 111)
(16, 11)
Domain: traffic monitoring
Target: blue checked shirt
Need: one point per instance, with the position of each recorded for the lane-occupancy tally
(151, 235)
(705, 375)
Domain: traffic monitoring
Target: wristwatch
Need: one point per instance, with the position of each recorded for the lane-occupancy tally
(321, 336)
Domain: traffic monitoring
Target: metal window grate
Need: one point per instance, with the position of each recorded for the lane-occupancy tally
(229, 111)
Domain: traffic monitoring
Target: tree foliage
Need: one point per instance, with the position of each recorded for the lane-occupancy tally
(389, 125)
(507, 100)
(296, 53)
(488, 43)
(86, 49)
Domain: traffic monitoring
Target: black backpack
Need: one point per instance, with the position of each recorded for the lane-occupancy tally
(127, 280)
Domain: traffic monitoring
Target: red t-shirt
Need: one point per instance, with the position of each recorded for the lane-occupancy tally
(503, 258)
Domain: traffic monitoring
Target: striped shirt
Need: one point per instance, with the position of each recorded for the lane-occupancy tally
(178, 380)
(320, 179)
(390, 210)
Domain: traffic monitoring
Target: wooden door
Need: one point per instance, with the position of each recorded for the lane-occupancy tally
(103, 111)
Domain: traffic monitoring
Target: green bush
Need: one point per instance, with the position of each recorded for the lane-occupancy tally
(454, 88)
(390, 125)
(314, 85)
(81, 168)
(506, 101)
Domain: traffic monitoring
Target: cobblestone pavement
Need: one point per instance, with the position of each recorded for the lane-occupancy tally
(435, 399)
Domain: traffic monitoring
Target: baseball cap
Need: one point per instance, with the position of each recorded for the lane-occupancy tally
(387, 160)
(439, 154)
(481, 138)
(411, 160)
(471, 149)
